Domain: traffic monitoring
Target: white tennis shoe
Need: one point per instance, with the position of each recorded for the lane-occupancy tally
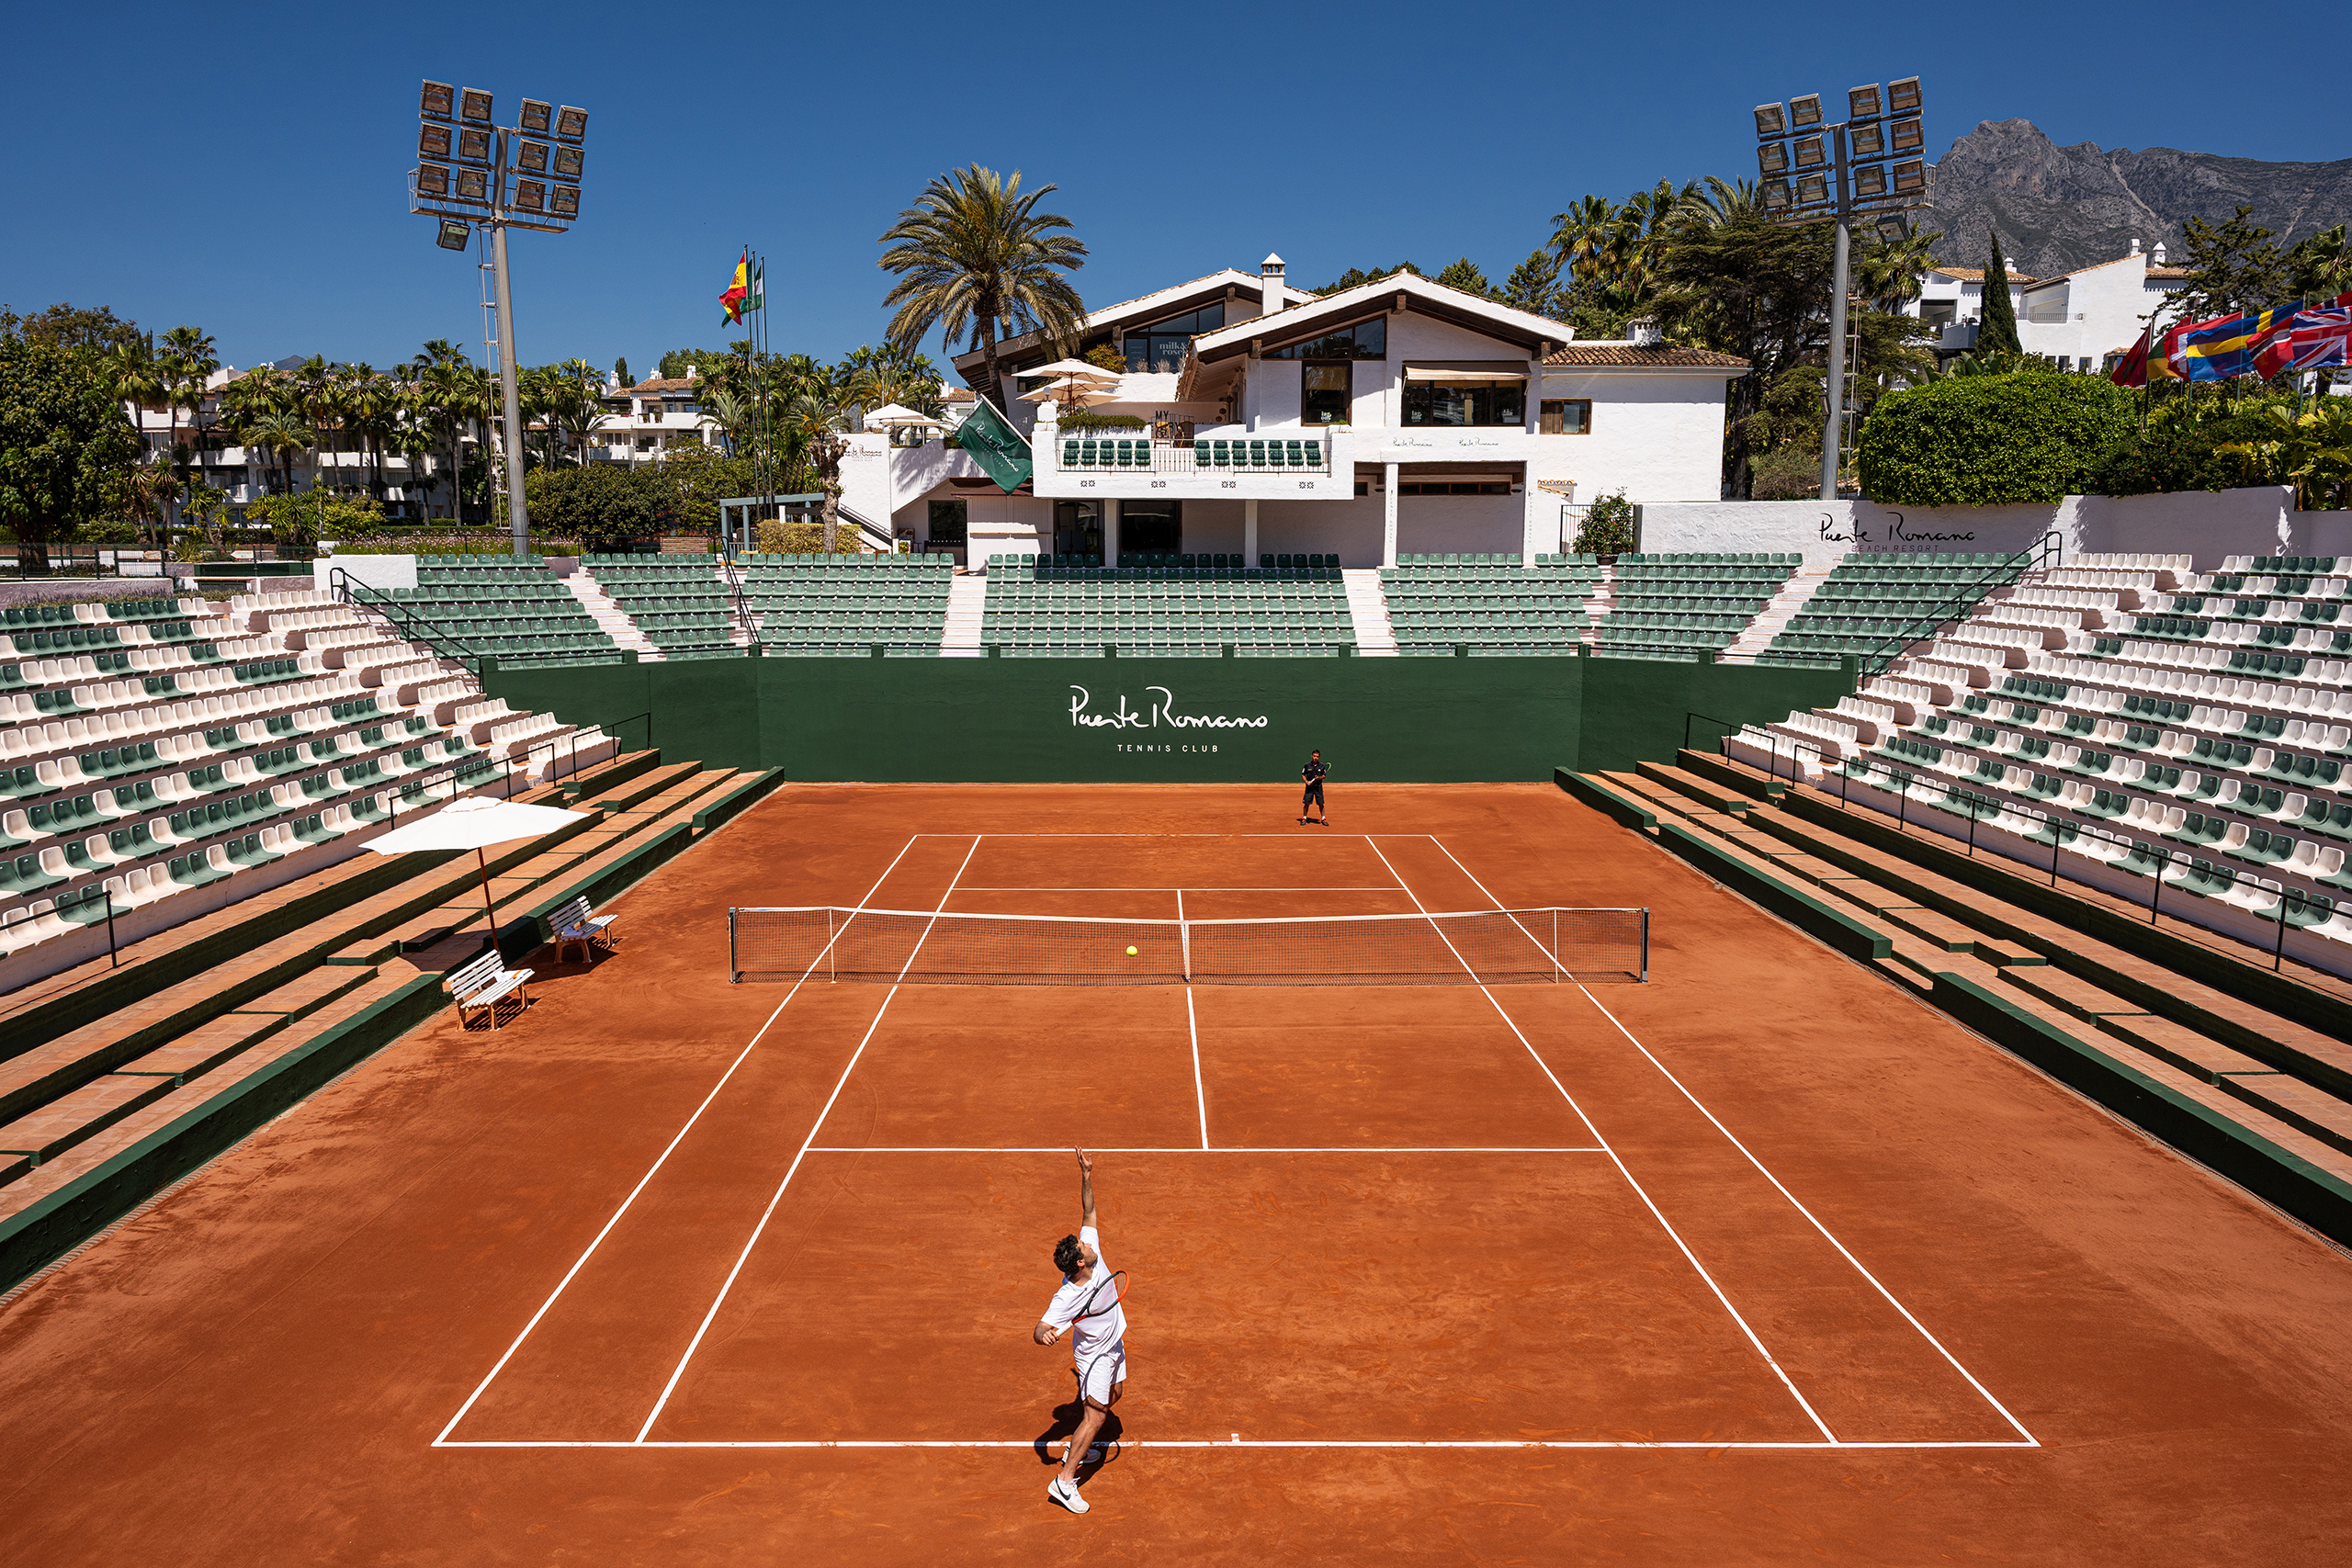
(1066, 1494)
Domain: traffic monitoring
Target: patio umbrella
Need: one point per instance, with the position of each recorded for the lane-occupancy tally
(474, 823)
(892, 416)
(1079, 380)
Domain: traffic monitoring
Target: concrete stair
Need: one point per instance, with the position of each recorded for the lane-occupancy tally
(1773, 618)
(966, 605)
(1368, 608)
(610, 618)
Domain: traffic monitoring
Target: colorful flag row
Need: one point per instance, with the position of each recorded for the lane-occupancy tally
(2260, 343)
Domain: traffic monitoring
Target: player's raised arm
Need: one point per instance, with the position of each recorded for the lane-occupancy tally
(1085, 1187)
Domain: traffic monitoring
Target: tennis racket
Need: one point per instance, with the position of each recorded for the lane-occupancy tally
(1108, 1293)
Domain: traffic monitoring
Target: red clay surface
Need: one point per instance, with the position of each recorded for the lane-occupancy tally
(1423, 1216)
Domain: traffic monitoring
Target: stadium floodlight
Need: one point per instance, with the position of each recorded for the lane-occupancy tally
(1841, 174)
(524, 174)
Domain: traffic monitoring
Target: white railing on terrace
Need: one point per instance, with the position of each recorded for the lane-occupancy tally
(1228, 456)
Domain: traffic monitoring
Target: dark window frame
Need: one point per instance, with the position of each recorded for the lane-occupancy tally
(1346, 414)
(959, 521)
(1543, 423)
(1425, 393)
(1326, 345)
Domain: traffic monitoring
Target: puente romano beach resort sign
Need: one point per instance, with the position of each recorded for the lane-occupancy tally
(1159, 713)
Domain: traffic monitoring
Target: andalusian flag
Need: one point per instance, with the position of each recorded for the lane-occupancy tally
(736, 300)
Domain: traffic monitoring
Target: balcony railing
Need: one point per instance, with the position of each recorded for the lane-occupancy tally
(1226, 456)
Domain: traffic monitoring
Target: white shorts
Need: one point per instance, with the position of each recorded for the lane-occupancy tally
(1102, 1372)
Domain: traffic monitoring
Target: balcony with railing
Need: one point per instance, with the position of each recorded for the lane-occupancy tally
(1280, 462)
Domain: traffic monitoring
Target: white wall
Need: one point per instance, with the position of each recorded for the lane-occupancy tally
(1657, 438)
(381, 573)
(2205, 525)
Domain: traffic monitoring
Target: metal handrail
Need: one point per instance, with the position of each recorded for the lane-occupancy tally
(2062, 830)
(350, 590)
(735, 589)
(1882, 656)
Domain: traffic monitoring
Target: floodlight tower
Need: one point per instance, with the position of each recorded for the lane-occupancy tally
(471, 169)
(1869, 166)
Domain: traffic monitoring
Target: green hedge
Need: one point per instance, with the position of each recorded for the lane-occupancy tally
(1992, 440)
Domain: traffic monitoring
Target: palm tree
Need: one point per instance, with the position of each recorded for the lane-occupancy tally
(817, 423)
(975, 256)
(188, 361)
(445, 393)
(283, 436)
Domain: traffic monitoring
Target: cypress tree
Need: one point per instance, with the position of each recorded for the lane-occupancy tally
(1998, 334)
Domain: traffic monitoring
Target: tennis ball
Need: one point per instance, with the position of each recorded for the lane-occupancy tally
(1131, 952)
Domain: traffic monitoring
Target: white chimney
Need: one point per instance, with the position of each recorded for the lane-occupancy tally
(2135, 245)
(1643, 333)
(2157, 255)
(1270, 284)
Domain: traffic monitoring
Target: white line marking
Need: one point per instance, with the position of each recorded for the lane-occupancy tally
(1193, 887)
(1192, 1027)
(1794, 1392)
(1810, 1217)
(1205, 1149)
(743, 1257)
(1237, 1442)
(580, 1262)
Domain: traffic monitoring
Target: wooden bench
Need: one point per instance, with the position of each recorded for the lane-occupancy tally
(577, 925)
(485, 983)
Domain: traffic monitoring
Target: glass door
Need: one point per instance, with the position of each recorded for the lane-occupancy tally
(1077, 528)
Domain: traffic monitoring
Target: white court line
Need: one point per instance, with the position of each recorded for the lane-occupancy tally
(580, 1262)
(1205, 1149)
(1655, 1213)
(1188, 887)
(1810, 1217)
(1192, 1028)
(743, 1257)
(1237, 1442)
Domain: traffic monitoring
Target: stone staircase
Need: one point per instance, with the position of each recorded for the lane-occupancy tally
(1774, 617)
(610, 618)
(966, 605)
(1368, 608)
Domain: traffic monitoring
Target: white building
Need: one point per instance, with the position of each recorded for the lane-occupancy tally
(244, 474)
(2085, 320)
(1401, 417)
(659, 415)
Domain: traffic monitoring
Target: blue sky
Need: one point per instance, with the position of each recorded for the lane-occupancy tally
(243, 168)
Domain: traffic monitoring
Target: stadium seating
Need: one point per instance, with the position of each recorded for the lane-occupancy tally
(678, 601)
(848, 604)
(2126, 719)
(1195, 605)
(509, 606)
(1686, 606)
(1490, 603)
(1883, 600)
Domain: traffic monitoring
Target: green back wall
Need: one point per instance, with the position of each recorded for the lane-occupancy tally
(1130, 720)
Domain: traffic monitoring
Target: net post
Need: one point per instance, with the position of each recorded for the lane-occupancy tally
(734, 964)
(1555, 943)
(1184, 939)
(1645, 945)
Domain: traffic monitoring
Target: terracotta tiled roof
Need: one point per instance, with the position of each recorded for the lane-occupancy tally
(665, 384)
(1666, 356)
(1976, 273)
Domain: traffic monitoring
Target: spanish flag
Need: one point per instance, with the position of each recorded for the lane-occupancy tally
(733, 301)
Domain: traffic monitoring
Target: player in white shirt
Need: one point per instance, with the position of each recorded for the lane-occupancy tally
(1089, 1299)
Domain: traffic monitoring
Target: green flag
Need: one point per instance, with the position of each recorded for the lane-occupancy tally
(758, 300)
(996, 447)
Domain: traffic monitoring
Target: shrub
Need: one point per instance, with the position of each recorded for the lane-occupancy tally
(1991, 440)
(1607, 528)
(604, 505)
(774, 538)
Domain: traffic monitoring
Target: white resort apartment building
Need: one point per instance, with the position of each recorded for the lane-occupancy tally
(1399, 417)
(2085, 320)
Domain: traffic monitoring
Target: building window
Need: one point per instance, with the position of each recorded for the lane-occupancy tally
(1365, 340)
(1465, 402)
(1565, 416)
(1163, 345)
(1324, 393)
(1455, 487)
(947, 522)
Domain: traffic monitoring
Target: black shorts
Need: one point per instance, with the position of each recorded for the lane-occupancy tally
(1314, 796)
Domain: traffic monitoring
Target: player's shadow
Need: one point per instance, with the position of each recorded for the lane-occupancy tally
(1067, 1416)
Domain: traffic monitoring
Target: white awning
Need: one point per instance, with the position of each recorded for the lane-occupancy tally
(1462, 378)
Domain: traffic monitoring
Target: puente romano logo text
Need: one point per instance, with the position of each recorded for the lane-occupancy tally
(1160, 712)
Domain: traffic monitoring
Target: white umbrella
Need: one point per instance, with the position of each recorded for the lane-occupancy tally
(1079, 368)
(474, 823)
(889, 416)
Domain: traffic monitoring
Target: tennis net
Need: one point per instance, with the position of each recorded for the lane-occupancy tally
(1484, 947)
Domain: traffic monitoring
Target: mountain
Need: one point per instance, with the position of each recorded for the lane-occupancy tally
(2061, 207)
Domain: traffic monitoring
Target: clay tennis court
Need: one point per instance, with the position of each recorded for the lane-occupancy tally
(1752, 1261)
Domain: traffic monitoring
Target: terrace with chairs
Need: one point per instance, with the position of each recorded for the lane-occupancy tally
(1192, 605)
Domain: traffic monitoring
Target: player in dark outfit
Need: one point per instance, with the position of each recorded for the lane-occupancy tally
(1312, 776)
